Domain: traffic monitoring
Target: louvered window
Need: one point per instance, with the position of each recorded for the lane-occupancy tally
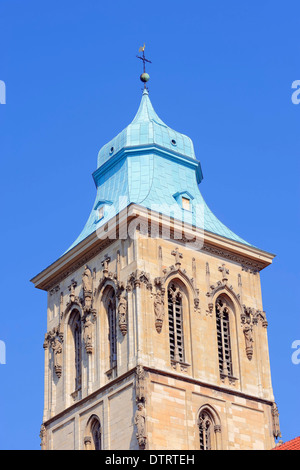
(175, 324)
(205, 430)
(223, 337)
(76, 331)
(96, 434)
(112, 333)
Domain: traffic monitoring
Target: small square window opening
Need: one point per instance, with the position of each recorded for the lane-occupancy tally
(186, 204)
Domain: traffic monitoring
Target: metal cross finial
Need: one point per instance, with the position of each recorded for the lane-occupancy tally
(144, 77)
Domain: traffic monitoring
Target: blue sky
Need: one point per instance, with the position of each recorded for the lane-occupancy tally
(221, 73)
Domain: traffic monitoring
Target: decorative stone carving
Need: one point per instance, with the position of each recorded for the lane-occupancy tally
(217, 428)
(87, 285)
(122, 314)
(248, 333)
(54, 290)
(54, 338)
(275, 419)
(246, 318)
(161, 282)
(140, 421)
(159, 310)
(210, 309)
(87, 440)
(178, 257)
(197, 305)
(105, 264)
(88, 330)
(245, 263)
(140, 384)
(72, 291)
(137, 278)
(43, 436)
(56, 345)
(219, 287)
(224, 272)
(258, 315)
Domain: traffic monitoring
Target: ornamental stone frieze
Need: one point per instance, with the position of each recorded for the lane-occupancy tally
(137, 279)
(54, 339)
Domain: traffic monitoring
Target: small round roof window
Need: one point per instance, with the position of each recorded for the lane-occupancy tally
(173, 142)
(111, 150)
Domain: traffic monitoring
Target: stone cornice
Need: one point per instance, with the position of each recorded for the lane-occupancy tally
(247, 256)
(165, 373)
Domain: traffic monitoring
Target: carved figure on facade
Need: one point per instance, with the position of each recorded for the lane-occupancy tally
(122, 314)
(43, 435)
(87, 285)
(248, 334)
(54, 339)
(140, 423)
(105, 264)
(159, 310)
(56, 345)
(275, 419)
(140, 384)
(72, 297)
(88, 330)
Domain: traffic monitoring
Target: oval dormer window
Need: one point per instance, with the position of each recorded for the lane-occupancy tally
(173, 142)
(112, 149)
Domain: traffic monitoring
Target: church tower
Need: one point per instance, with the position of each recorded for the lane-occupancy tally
(156, 333)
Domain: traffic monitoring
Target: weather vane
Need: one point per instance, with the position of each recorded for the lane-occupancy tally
(144, 77)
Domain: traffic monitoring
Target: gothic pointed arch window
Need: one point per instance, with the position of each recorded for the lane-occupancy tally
(76, 359)
(207, 430)
(92, 440)
(175, 316)
(223, 337)
(112, 328)
(109, 302)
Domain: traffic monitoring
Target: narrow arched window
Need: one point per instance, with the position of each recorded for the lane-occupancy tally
(223, 337)
(205, 431)
(75, 325)
(92, 440)
(96, 434)
(112, 329)
(175, 323)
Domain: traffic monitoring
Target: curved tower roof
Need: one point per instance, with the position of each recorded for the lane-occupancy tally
(151, 165)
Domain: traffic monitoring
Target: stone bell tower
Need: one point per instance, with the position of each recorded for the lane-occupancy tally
(157, 336)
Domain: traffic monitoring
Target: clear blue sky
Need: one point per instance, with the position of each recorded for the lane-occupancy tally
(221, 73)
